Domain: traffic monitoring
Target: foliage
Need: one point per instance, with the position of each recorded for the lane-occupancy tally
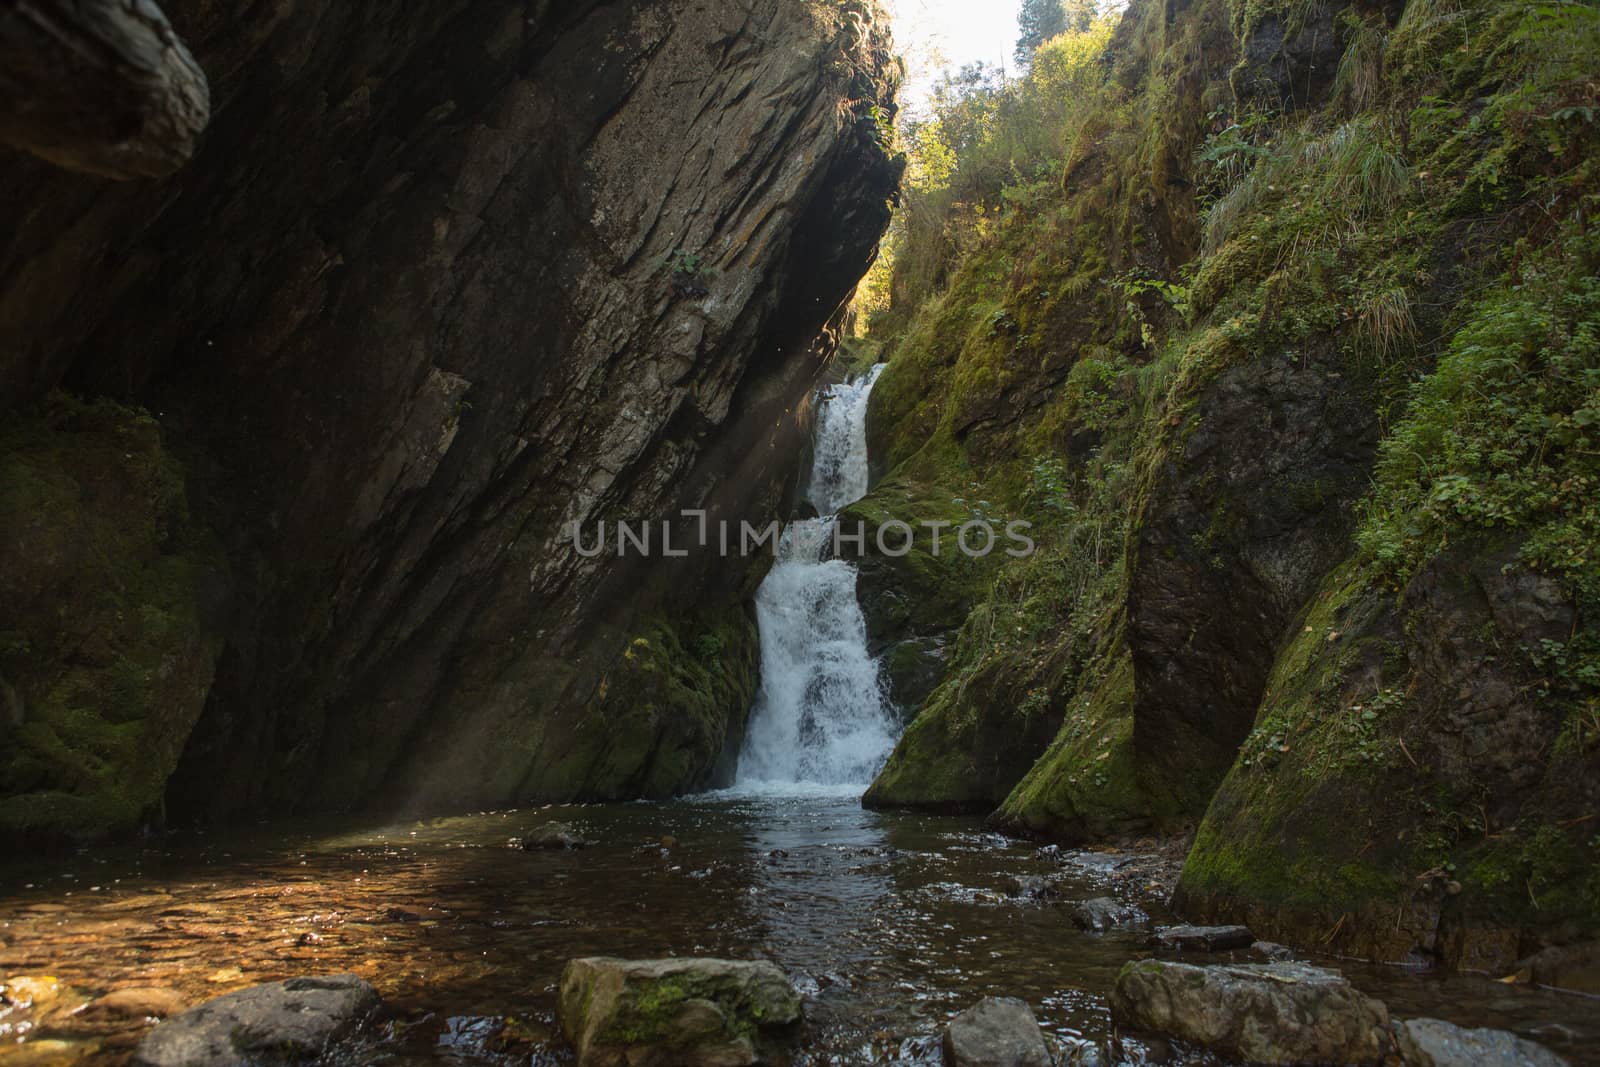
(1040, 20)
(1505, 435)
(1082, 265)
(990, 148)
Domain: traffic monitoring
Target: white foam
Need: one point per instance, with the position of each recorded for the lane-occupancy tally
(820, 721)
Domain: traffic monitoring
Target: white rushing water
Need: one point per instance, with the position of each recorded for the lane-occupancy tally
(820, 719)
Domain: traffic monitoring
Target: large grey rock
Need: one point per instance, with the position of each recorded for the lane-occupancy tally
(1435, 1043)
(995, 1032)
(299, 1020)
(1285, 1013)
(674, 1013)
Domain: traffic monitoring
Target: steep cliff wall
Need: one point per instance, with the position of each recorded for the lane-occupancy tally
(1290, 356)
(440, 279)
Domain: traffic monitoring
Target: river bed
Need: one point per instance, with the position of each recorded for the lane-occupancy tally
(890, 923)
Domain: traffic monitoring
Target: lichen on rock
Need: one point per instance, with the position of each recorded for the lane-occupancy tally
(675, 1013)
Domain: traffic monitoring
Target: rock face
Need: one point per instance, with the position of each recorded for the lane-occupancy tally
(440, 280)
(674, 1013)
(995, 1032)
(300, 1020)
(1240, 526)
(1262, 1013)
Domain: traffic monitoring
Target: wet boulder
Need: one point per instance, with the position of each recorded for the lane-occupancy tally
(294, 1021)
(1273, 951)
(995, 1032)
(1037, 887)
(554, 837)
(675, 1012)
(1206, 938)
(1286, 1013)
(1435, 1043)
(1105, 913)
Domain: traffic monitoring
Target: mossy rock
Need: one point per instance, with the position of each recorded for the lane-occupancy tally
(675, 1012)
(1089, 783)
(669, 716)
(112, 602)
(1480, 853)
(976, 736)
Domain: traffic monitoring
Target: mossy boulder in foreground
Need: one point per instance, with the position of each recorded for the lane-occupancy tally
(676, 1012)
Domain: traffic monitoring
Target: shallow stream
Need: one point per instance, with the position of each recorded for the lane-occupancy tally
(889, 922)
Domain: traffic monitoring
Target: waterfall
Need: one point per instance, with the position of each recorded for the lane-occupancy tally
(839, 466)
(820, 718)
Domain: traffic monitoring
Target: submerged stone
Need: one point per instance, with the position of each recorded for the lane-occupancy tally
(674, 1013)
(1106, 913)
(1272, 950)
(556, 836)
(293, 1021)
(995, 1032)
(1033, 887)
(1285, 1013)
(137, 1003)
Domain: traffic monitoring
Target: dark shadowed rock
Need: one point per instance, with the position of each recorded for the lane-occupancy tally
(100, 86)
(1273, 951)
(1242, 522)
(555, 837)
(995, 1032)
(1575, 967)
(1262, 1013)
(1106, 913)
(441, 280)
(1288, 61)
(299, 1020)
(1206, 938)
(1435, 1043)
(674, 1013)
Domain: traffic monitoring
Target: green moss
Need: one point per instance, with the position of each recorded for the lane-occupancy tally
(110, 597)
(648, 1016)
(1077, 338)
(664, 714)
(1089, 783)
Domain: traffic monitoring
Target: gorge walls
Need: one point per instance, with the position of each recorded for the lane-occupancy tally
(295, 433)
(1277, 320)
